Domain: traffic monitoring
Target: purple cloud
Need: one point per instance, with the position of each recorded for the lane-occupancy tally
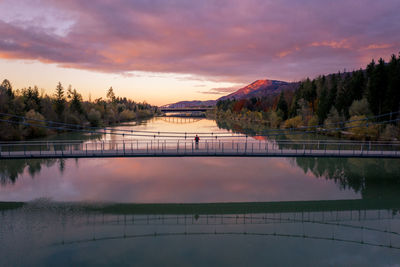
(226, 40)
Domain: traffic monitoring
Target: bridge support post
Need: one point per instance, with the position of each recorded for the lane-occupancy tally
(86, 149)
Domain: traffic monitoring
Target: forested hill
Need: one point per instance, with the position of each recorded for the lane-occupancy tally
(378, 85)
(336, 97)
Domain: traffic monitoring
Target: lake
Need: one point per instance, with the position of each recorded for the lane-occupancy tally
(198, 211)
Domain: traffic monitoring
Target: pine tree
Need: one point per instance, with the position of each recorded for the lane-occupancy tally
(323, 107)
(76, 100)
(392, 98)
(282, 106)
(377, 86)
(59, 100)
(6, 86)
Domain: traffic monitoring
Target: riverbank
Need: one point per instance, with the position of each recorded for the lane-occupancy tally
(263, 123)
(26, 129)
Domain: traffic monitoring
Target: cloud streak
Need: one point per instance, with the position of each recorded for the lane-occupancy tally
(233, 40)
(221, 90)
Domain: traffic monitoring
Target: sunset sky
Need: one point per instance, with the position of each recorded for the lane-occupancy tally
(166, 51)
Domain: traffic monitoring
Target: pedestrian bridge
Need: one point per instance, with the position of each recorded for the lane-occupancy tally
(205, 148)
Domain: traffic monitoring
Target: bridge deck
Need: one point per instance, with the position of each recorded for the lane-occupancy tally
(116, 149)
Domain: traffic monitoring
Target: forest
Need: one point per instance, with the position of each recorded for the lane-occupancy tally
(345, 100)
(64, 106)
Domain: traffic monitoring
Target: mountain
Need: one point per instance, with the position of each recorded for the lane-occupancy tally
(261, 88)
(194, 103)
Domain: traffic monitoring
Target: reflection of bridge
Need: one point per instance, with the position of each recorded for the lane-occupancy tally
(328, 206)
(345, 221)
(206, 148)
(188, 109)
(374, 222)
(180, 119)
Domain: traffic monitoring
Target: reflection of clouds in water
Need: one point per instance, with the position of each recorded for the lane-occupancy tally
(191, 179)
(175, 180)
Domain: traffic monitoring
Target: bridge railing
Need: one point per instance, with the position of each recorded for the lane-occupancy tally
(205, 147)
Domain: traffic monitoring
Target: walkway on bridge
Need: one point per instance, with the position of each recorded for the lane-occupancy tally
(207, 148)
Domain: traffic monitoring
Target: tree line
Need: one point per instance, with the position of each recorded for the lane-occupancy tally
(65, 106)
(328, 100)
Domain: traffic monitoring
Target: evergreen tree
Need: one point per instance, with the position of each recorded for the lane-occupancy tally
(392, 98)
(323, 105)
(76, 101)
(282, 106)
(377, 86)
(59, 100)
(332, 92)
(6, 86)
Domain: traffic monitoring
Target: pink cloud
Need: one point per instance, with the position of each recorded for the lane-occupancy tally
(221, 90)
(230, 40)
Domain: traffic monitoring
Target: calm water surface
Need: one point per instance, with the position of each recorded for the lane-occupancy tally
(55, 228)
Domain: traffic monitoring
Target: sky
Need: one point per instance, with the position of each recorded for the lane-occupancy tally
(163, 51)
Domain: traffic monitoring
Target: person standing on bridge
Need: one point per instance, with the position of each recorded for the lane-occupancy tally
(196, 140)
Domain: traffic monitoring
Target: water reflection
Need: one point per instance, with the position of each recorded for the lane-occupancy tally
(199, 179)
(196, 179)
(373, 178)
(352, 220)
(288, 233)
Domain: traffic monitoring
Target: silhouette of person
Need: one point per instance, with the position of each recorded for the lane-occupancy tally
(197, 139)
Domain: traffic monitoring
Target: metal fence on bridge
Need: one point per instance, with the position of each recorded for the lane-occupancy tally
(179, 148)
